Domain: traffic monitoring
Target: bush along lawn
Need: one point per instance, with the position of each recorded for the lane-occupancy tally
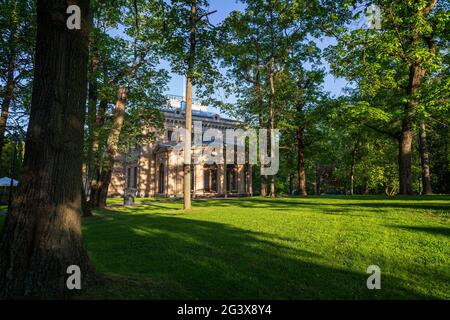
(284, 248)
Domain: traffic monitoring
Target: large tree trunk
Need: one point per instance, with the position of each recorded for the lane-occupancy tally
(260, 100)
(425, 159)
(5, 108)
(405, 158)
(42, 236)
(407, 133)
(301, 162)
(272, 186)
(264, 186)
(9, 86)
(92, 113)
(86, 208)
(189, 79)
(100, 188)
(416, 75)
(94, 183)
(99, 194)
(300, 137)
(263, 177)
(91, 123)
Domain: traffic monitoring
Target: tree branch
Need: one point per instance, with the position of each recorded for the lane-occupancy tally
(200, 17)
(248, 78)
(431, 44)
(428, 8)
(393, 135)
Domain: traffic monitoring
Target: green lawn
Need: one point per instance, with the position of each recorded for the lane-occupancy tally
(290, 248)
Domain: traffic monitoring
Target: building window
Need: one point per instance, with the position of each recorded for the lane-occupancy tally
(232, 181)
(210, 174)
(161, 179)
(247, 178)
(169, 135)
(206, 185)
(192, 178)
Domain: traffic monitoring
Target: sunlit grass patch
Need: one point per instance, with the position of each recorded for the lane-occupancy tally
(290, 248)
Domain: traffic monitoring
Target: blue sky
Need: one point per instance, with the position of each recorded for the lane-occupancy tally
(224, 7)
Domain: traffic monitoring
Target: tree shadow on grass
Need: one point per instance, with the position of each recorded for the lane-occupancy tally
(440, 204)
(441, 231)
(178, 258)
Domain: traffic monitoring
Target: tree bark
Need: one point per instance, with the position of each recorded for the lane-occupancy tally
(264, 186)
(416, 75)
(9, 86)
(42, 236)
(301, 162)
(260, 100)
(92, 113)
(271, 115)
(263, 177)
(87, 212)
(99, 191)
(425, 159)
(189, 80)
(405, 158)
(407, 131)
(386, 186)
(96, 166)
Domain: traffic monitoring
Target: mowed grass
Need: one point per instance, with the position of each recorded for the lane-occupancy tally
(284, 248)
(259, 248)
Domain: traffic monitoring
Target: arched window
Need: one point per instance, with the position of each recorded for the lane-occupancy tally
(161, 179)
(246, 177)
(232, 181)
(192, 178)
(210, 176)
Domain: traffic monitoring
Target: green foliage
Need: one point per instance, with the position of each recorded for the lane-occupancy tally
(17, 29)
(378, 61)
(130, 59)
(10, 167)
(176, 44)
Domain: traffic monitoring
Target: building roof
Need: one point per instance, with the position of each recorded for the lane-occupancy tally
(177, 106)
(201, 114)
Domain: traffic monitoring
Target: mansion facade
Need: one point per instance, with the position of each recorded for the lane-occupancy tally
(154, 170)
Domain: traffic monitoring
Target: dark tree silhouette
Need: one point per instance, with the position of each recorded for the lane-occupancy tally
(42, 236)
